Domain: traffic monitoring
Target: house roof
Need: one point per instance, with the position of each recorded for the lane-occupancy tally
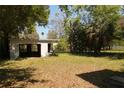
(49, 40)
(29, 41)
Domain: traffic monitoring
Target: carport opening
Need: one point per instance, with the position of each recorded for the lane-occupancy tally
(50, 48)
(29, 50)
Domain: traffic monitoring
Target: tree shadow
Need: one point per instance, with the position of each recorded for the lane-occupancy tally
(10, 77)
(111, 55)
(6, 61)
(101, 78)
(21, 58)
(18, 78)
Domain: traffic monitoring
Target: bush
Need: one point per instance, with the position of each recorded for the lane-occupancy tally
(62, 46)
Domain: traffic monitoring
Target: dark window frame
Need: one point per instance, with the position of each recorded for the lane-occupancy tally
(22, 49)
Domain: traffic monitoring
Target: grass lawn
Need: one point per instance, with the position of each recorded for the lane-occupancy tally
(64, 70)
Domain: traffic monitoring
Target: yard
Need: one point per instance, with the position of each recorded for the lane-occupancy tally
(65, 70)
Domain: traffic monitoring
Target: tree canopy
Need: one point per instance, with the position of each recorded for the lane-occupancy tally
(15, 19)
(90, 28)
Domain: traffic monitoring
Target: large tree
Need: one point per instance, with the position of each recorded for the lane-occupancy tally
(90, 27)
(15, 19)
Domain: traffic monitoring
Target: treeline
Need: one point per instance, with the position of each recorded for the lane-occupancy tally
(91, 28)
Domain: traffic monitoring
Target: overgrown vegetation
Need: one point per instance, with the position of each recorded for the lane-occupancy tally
(62, 45)
(91, 28)
(81, 29)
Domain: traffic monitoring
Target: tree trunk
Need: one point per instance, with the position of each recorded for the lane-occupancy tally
(6, 52)
(98, 47)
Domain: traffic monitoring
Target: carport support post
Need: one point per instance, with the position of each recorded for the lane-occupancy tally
(44, 49)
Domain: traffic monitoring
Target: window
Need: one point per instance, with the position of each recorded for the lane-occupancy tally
(23, 48)
(34, 48)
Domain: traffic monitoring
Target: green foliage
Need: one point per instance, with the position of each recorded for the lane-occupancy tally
(62, 46)
(76, 36)
(20, 18)
(119, 34)
(90, 28)
(119, 42)
(15, 19)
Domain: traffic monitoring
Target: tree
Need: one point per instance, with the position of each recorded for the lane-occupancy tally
(90, 27)
(52, 35)
(57, 24)
(15, 19)
(104, 19)
(31, 36)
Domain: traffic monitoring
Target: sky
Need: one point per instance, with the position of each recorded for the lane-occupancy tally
(53, 10)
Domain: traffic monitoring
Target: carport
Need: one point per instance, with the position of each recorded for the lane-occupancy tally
(31, 48)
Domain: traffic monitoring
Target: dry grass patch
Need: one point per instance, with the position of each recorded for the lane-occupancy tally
(64, 70)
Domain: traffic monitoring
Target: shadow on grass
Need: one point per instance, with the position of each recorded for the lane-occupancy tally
(111, 55)
(21, 58)
(18, 78)
(101, 78)
(10, 77)
(9, 62)
(5, 61)
(114, 55)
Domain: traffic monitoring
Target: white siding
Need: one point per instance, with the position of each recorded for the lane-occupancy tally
(14, 47)
(44, 49)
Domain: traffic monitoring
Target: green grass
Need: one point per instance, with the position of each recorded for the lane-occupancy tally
(53, 71)
(113, 51)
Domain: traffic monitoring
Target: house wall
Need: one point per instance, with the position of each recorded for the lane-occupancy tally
(14, 48)
(44, 49)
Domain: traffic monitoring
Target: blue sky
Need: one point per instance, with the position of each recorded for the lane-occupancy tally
(53, 10)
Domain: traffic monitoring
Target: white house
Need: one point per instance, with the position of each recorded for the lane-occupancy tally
(31, 48)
